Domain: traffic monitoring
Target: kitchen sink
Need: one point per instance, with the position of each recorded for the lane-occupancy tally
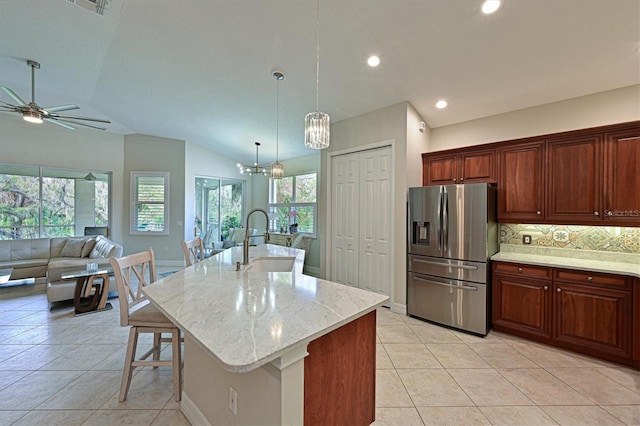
(271, 264)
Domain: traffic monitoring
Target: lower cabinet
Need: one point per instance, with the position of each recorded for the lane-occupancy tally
(591, 313)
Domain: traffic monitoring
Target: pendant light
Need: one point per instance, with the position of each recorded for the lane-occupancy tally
(277, 169)
(317, 124)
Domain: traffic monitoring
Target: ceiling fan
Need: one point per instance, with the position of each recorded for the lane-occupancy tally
(34, 113)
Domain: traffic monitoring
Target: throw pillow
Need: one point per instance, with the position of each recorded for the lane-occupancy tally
(72, 248)
(88, 246)
(101, 249)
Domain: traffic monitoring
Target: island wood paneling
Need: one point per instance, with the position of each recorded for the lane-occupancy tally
(339, 375)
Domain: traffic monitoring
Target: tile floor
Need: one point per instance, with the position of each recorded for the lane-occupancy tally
(58, 369)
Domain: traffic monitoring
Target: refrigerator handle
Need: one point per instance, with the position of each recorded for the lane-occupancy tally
(439, 221)
(445, 219)
(457, 287)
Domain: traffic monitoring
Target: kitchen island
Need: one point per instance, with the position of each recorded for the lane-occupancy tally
(271, 347)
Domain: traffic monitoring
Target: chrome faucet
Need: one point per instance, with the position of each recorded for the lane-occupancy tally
(245, 244)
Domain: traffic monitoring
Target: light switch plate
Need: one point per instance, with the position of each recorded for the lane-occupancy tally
(526, 239)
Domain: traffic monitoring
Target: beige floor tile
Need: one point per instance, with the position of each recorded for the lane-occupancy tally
(82, 357)
(89, 391)
(383, 362)
(411, 355)
(122, 417)
(9, 351)
(625, 376)
(7, 378)
(472, 338)
(390, 392)
(35, 335)
(520, 416)
(429, 333)
(548, 356)
(385, 316)
(542, 387)
(171, 418)
(467, 416)
(397, 417)
(9, 331)
(28, 392)
(628, 414)
(579, 415)
(114, 362)
(396, 333)
(599, 388)
(7, 317)
(35, 357)
(54, 417)
(501, 355)
(8, 417)
(456, 355)
(149, 389)
(433, 387)
(488, 387)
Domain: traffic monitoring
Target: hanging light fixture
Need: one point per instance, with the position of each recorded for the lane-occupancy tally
(256, 168)
(277, 168)
(317, 124)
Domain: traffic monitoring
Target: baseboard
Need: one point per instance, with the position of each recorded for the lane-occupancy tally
(191, 411)
(399, 308)
(312, 270)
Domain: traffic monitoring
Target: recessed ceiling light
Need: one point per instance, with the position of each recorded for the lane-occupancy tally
(441, 104)
(490, 6)
(373, 61)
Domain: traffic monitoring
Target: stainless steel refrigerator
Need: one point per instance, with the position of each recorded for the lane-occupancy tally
(452, 234)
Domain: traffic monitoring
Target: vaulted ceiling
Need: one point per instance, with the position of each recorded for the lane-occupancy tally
(200, 70)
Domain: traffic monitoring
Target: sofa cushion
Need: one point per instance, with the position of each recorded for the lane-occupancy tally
(72, 248)
(102, 248)
(88, 247)
(23, 263)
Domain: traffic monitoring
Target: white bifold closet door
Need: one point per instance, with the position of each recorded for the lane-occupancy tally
(361, 219)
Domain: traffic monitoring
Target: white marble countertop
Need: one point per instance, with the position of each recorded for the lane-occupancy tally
(247, 319)
(585, 260)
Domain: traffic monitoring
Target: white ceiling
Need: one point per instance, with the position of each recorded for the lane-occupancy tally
(200, 70)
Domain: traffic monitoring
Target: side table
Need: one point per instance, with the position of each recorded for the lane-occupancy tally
(92, 289)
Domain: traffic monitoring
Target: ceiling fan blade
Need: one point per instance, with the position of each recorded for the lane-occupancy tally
(79, 124)
(14, 96)
(61, 108)
(72, 117)
(60, 123)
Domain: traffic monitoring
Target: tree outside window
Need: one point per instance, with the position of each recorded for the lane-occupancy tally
(292, 200)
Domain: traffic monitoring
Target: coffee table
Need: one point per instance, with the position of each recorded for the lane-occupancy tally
(92, 289)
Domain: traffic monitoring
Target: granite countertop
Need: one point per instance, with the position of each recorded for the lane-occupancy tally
(585, 260)
(247, 319)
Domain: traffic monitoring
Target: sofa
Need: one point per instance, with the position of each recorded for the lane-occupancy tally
(50, 258)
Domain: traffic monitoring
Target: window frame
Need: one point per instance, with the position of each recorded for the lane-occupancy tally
(133, 220)
(273, 227)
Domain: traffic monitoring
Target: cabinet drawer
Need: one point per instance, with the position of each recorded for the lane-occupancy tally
(593, 278)
(522, 269)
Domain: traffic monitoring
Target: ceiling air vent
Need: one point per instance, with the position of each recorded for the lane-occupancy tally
(98, 6)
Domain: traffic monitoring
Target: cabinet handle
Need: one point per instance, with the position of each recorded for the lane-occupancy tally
(519, 269)
(558, 289)
(539, 213)
(461, 179)
(546, 287)
(589, 278)
(596, 213)
(608, 212)
(454, 179)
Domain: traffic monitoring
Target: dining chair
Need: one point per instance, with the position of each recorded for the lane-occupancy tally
(132, 273)
(193, 251)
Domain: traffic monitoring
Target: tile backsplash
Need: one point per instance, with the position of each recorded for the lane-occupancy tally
(601, 238)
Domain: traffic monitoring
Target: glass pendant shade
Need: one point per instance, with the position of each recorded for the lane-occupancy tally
(277, 170)
(317, 128)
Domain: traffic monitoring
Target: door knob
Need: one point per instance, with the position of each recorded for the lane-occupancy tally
(558, 290)
(539, 213)
(596, 213)
(546, 287)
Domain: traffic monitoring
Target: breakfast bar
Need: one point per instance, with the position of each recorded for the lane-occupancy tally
(266, 344)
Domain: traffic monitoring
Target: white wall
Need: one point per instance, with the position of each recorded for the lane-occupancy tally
(614, 106)
(82, 149)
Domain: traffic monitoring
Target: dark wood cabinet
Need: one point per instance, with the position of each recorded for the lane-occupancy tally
(521, 182)
(622, 177)
(462, 166)
(591, 313)
(574, 179)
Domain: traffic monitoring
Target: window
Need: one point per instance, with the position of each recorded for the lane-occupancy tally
(219, 206)
(149, 203)
(43, 202)
(292, 200)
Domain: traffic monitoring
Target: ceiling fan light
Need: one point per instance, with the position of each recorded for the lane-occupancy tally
(277, 170)
(317, 129)
(32, 117)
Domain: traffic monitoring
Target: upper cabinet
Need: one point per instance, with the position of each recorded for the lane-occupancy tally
(521, 182)
(583, 177)
(460, 166)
